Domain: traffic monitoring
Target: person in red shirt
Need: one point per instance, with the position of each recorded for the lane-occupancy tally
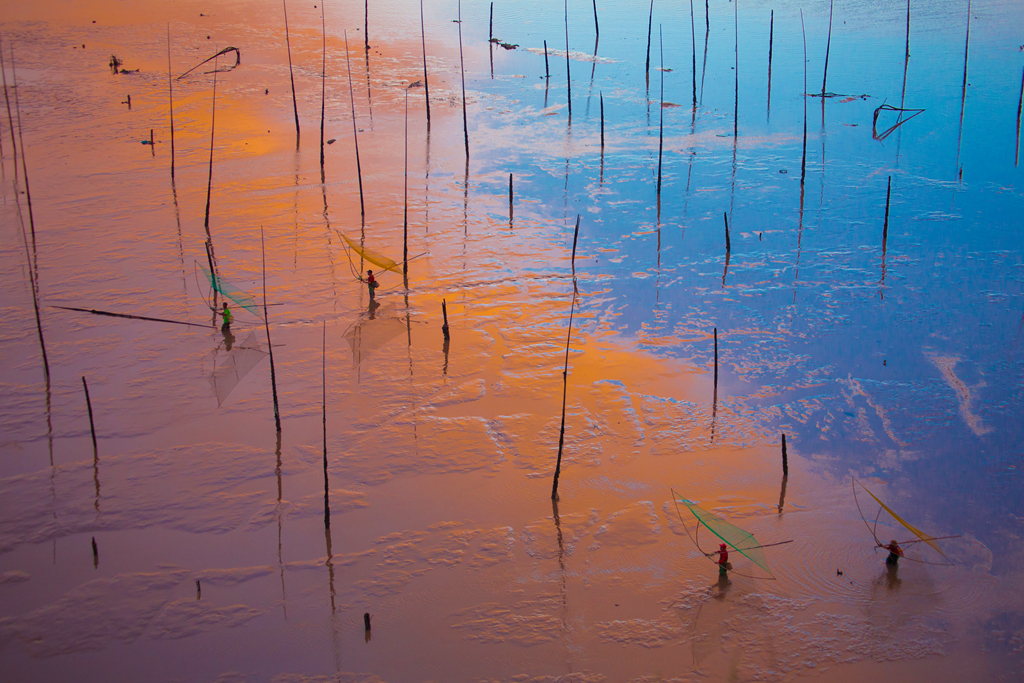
(895, 553)
(723, 558)
(372, 284)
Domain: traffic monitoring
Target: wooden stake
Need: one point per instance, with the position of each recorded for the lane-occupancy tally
(803, 157)
(728, 242)
(291, 72)
(547, 71)
(270, 345)
(490, 26)
(510, 198)
(95, 554)
(785, 459)
(366, 24)
(462, 70)
(597, 27)
(565, 371)
(444, 313)
(355, 131)
(426, 84)
(92, 425)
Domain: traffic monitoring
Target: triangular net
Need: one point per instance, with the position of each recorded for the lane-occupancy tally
(370, 255)
(240, 361)
(370, 335)
(230, 291)
(739, 540)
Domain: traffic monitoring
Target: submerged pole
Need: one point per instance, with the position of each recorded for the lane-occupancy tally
(728, 242)
(405, 199)
(444, 314)
(785, 461)
(661, 110)
(771, 40)
(510, 198)
(650, 23)
(597, 27)
(601, 96)
(547, 71)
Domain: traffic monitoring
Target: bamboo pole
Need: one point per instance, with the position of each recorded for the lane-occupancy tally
(31, 262)
(547, 70)
(323, 87)
(601, 97)
(650, 23)
(366, 24)
(693, 42)
(405, 199)
(170, 96)
(828, 45)
(568, 74)
(771, 40)
(92, 424)
(209, 177)
(885, 225)
(291, 72)
(323, 381)
(597, 27)
(426, 84)
(270, 345)
(661, 109)
(510, 199)
(565, 371)
(462, 71)
(355, 131)
(1020, 105)
(125, 315)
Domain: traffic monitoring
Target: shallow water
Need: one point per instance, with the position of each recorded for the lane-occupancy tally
(900, 365)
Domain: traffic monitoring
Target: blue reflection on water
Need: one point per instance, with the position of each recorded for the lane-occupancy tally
(903, 364)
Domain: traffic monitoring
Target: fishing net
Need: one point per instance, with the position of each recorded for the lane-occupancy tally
(241, 360)
(739, 540)
(371, 256)
(230, 291)
(912, 529)
(369, 335)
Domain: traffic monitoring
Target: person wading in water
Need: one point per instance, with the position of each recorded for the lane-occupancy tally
(895, 553)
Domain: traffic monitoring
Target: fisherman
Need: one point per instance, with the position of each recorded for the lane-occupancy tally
(226, 316)
(372, 283)
(895, 553)
(723, 559)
